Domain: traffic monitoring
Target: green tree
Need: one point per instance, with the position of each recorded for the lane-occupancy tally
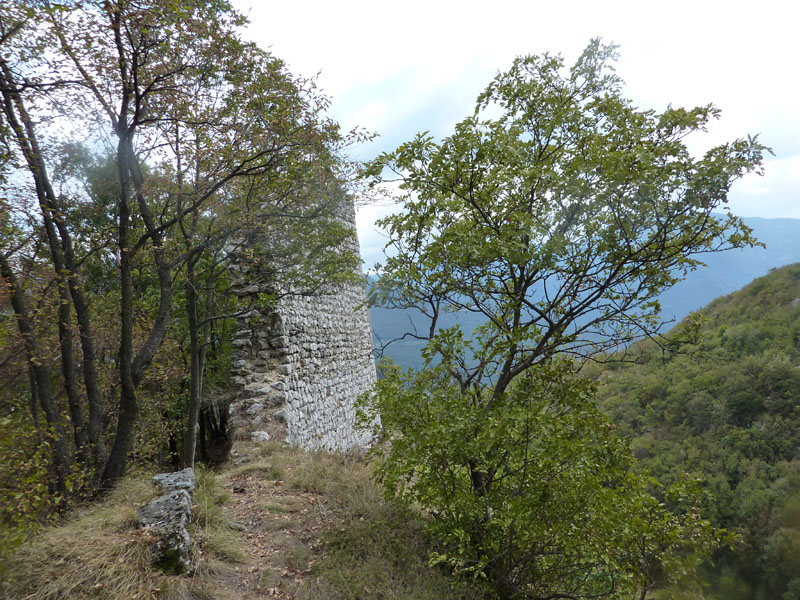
(557, 212)
(211, 140)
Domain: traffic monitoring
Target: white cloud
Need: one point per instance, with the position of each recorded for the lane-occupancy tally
(372, 238)
(776, 194)
(400, 68)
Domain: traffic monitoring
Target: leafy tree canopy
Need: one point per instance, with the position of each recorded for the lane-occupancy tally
(557, 212)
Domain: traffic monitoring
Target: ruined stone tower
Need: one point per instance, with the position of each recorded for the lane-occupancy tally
(298, 369)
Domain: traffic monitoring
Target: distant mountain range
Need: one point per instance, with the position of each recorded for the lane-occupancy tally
(724, 273)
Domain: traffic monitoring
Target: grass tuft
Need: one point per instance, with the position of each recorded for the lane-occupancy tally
(212, 530)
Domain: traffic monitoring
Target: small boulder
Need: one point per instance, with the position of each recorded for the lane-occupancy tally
(259, 436)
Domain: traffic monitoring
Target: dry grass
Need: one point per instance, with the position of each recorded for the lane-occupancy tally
(211, 529)
(337, 539)
(266, 469)
(97, 554)
(277, 523)
(375, 549)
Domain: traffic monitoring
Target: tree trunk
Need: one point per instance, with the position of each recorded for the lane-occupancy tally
(33, 403)
(132, 368)
(41, 375)
(89, 365)
(25, 137)
(56, 212)
(128, 407)
(190, 435)
(201, 421)
(159, 329)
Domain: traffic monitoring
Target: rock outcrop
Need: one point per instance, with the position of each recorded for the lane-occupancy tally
(167, 517)
(178, 480)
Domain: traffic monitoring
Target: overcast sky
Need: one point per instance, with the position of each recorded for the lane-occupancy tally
(396, 68)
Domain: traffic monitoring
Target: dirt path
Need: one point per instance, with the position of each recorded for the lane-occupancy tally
(280, 527)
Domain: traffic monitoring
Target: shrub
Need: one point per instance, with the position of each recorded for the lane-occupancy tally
(536, 494)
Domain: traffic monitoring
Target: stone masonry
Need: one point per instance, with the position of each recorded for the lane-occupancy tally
(298, 369)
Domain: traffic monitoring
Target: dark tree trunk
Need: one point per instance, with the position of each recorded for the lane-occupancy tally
(43, 386)
(128, 407)
(131, 369)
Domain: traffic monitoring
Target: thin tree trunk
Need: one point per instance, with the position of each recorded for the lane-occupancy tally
(51, 207)
(89, 365)
(128, 407)
(190, 435)
(41, 374)
(68, 372)
(26, 141)
(34, 401)
(207, 310)
(159, 330)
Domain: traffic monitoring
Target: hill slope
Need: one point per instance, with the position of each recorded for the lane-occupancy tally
(729, 271)
(729, 411)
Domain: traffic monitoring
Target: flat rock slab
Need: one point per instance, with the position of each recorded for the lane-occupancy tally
(179, 480)
(167, 516)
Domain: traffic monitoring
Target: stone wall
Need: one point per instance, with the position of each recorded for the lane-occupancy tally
(298, 369)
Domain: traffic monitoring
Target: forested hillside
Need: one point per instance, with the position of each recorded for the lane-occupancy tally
(726, 409)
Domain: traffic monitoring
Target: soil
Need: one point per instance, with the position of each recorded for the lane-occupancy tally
(281, 528)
